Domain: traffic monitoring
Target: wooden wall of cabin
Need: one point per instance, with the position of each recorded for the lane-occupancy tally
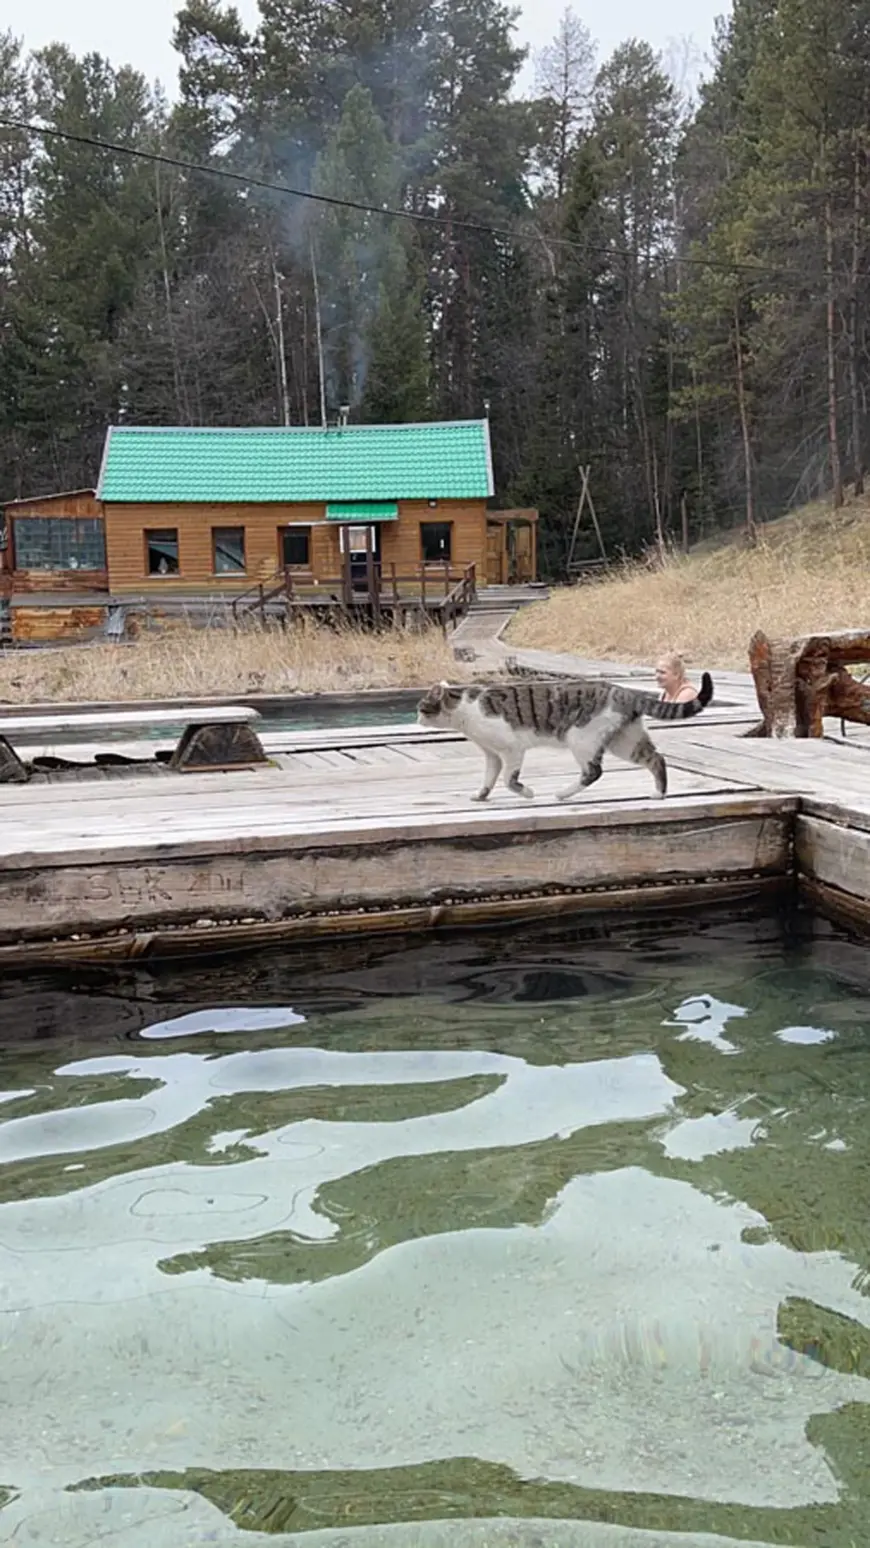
(401, 542)
(127, 525)
(126, 544)
(38, 625)
(81, 503)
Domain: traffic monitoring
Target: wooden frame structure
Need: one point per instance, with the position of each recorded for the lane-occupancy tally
(576, 568)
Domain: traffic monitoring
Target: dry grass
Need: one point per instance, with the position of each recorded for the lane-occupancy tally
(193, 663)
(809, 573)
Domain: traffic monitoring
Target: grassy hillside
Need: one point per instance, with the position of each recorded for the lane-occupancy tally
(810, 571)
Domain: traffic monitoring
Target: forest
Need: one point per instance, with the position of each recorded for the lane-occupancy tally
(671, 289)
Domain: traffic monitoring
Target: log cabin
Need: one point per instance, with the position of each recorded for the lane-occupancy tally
(182, 518)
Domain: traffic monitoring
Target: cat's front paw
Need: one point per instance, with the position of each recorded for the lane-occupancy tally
(481, 795)
(565, 795)
(526, 790)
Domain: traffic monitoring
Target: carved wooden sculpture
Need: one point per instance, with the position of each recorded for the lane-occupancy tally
(798, 682)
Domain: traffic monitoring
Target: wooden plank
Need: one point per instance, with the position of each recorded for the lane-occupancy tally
(832, 903)
(99, 813)
(245, 936)
(317, 819)
(806, 766)
(737, 838)
(273, 786)
(844, 812)
(833, 853)
(15, 725)
(86, 841)
(206, 836)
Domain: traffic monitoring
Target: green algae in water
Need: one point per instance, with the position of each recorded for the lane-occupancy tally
(550, 1238)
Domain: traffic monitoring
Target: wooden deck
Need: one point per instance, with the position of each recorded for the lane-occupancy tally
(373, 829)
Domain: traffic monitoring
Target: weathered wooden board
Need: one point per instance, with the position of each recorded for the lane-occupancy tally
(42, 725)
(398, 865)
(833, 853)
(804, 767)
(147, 816)
(220, 939)
(830, 902)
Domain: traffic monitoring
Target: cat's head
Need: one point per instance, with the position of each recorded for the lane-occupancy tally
(439, 704)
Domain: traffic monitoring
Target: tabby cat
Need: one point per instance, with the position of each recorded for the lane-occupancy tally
(588, 717)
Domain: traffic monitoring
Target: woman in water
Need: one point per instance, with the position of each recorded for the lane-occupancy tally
(671, 678)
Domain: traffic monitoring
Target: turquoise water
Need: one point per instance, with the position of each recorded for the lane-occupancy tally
(337, 717)
(548, 1238)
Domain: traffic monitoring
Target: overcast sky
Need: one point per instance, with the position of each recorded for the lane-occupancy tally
(138, 33)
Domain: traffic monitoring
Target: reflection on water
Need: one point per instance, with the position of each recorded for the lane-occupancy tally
(553, 1238)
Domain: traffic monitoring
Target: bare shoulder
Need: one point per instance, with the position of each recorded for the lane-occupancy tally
(686, 693)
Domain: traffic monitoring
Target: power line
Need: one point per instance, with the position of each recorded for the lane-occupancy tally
(480, 228)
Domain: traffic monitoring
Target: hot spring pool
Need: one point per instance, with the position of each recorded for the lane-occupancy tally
(555, 1237)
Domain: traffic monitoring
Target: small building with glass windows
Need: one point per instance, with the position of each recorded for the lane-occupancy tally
(195, 513)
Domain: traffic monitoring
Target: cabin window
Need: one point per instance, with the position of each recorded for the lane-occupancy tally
(59, 543)
(435, 540)
(296, 547)
(161, 551)
(228, 550)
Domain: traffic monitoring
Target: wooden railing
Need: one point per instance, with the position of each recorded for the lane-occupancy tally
(443, 589)
(254, 600)
(459, 599)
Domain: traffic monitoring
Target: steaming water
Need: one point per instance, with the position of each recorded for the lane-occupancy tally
(556, 1239)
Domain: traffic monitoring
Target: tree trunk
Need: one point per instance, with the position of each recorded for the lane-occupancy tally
(854, 382)
(321, 376)
(699, 442)
(280, 345)
(180, 403)
(751, 527)
(833, 440)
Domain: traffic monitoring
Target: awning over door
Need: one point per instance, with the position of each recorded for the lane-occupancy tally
(362, 512)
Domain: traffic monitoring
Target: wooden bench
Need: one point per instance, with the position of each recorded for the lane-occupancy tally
(799, 682)
(219, 738)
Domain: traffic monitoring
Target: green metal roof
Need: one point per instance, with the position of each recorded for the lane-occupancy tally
(354, 464)
(385, 510)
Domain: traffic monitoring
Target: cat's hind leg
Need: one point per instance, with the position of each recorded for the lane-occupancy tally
(491, 772)
(589, 773)
(634, 745)
(588, 753)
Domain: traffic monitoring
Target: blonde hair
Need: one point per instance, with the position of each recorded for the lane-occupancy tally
(674, 662)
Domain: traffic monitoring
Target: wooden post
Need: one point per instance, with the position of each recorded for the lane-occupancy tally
(423, 586)
(262, 605)
(446, 577)
(534, 526)
(395, 583)
(374, 579)
(370, 569)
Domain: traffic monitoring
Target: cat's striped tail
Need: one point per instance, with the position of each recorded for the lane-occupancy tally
(658, 709)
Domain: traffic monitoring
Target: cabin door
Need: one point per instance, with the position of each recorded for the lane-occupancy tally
(358, 542)
(521, 554)
(495, 553)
